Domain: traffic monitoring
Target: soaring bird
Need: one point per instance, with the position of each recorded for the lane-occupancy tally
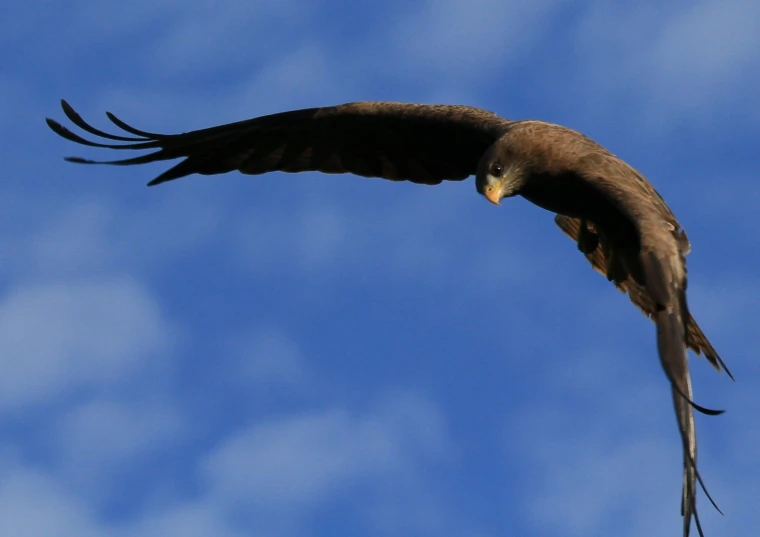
(615, 216)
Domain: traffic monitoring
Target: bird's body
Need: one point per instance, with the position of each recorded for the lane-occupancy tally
(617, 218)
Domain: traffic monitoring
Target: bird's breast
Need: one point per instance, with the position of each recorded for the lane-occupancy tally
(565, 193)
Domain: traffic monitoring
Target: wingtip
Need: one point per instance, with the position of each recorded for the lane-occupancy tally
(719, 365)
(53, 124)
(728, 373)
(79, 160)
(158, 180)
(67, 108)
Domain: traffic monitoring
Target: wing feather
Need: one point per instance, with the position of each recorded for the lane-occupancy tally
(639, 296)
(420, 143)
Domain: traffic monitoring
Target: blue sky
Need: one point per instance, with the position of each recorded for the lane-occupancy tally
(307, 355)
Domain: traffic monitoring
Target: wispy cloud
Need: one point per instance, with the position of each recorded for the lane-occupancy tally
(101, 439)
(207, 36)
(34, 505)
(469, 44)
(57, 337)
(300, 461)
(266, 356)
(675, 64)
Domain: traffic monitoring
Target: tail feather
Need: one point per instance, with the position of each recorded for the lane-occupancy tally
(666, 287)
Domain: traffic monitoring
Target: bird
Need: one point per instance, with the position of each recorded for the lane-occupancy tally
(614, 215)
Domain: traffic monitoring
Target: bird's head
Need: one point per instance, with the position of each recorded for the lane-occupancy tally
(501, 173)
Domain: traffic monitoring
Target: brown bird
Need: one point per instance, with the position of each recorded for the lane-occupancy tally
(617, 219)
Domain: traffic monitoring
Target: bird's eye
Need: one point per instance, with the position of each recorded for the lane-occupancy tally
(496, 169)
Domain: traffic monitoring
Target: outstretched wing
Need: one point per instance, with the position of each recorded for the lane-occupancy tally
(695, 338)
(424, 144)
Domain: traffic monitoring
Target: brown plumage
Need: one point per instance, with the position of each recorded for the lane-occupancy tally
(618, 220)
(695, 338)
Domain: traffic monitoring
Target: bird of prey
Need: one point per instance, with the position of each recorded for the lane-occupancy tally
(617, 219)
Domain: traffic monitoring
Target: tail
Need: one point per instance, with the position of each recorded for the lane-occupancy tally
(669, 333)
(669, 295)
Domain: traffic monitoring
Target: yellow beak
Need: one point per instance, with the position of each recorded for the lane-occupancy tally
(493, 195)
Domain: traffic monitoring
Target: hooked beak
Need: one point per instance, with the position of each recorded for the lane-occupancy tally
(493, 194)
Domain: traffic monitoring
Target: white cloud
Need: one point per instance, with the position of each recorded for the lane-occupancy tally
(671, 62)
(266, 355)
(301, 461)
(594, 490)
(102, 436)
(469, 43)
(57, 337)
(708, 49)
(607, 473)
(75, 241)
(278, 84)
(88, 238)
(33, 505)
(188, 519)
(263, 480)
(206, 35)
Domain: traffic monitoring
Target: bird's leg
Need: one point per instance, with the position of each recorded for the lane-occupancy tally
(587, 239)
